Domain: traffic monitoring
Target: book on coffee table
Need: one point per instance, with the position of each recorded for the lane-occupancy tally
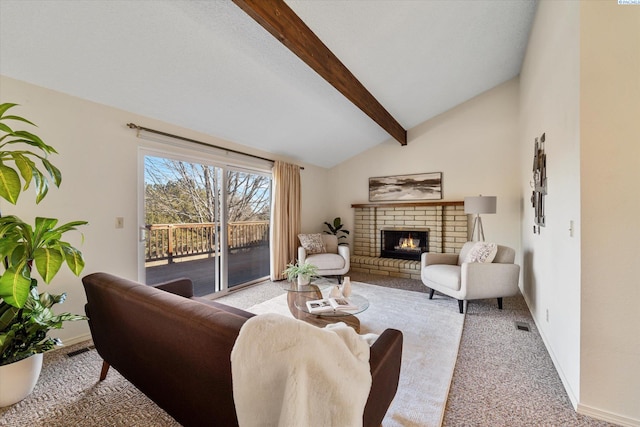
(330, 304)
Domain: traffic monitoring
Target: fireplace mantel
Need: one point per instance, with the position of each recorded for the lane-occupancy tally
(408, 204)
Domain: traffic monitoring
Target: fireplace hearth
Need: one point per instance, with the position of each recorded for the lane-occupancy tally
(403, 243)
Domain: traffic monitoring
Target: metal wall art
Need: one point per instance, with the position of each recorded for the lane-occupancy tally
(539, 183)
(423, 186)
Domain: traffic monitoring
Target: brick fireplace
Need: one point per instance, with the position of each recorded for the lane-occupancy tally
(445, 222)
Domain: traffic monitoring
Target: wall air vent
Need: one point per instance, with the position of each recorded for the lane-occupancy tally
(82, 350)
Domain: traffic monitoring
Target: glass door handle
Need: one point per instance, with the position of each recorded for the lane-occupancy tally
(142, 235)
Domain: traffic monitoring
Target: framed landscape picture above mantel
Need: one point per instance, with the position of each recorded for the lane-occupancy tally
(421, 186)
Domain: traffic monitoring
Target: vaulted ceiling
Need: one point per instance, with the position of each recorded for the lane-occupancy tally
(208, 66)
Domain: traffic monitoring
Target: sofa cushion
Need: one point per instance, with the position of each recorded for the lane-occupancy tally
(482, 252)
(312, 243)
(443, 275)
(326, 261)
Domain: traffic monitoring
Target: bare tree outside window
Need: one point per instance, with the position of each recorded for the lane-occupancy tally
(248, 196)
(182, 192)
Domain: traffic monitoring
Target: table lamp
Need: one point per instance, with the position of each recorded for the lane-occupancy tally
(479, 205)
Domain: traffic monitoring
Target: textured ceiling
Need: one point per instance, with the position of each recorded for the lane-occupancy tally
(207, 66)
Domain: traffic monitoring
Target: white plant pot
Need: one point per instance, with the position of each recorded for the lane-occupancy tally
(18, 379)
(303, 280)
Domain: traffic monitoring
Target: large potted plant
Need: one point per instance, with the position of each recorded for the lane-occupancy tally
(337, 229)
(25, 314)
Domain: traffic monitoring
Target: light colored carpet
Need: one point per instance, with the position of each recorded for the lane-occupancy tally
(504, 376)
(431, 331)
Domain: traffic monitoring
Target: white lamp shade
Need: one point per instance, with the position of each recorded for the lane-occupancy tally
(480, 205)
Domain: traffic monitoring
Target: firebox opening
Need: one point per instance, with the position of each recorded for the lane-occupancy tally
(403, 244)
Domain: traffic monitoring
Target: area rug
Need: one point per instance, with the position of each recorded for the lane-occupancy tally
(431, 330)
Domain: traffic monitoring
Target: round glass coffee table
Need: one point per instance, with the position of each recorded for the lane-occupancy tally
(297, 297)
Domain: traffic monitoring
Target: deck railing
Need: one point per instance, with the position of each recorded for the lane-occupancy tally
(170, 241)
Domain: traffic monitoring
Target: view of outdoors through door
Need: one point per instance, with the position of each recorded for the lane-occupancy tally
(248, 211)
(184, 210)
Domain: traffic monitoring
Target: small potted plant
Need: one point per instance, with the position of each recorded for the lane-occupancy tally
(300, 272)
(25, 314)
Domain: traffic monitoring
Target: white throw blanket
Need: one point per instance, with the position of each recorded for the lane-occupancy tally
(289, 373)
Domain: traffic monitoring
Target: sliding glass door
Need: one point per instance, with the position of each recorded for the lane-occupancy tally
(248, 209)
(185, 213)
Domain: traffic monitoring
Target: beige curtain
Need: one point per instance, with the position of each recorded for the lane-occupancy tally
(285, 217)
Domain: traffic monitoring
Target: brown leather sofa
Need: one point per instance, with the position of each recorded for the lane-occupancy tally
(176, 348)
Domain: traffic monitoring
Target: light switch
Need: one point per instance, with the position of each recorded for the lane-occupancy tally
(119, 222)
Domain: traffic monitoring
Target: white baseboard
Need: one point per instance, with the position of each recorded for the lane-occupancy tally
(579, 407)
(76, 340)
(607, 416)
(572, 396)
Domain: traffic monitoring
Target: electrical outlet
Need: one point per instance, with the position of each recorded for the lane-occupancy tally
(119, 222)
(547, 315)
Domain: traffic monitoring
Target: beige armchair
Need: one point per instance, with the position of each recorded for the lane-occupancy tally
(333, 262)
(452, 275)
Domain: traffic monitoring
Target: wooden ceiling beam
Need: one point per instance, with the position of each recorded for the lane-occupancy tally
(282, 22)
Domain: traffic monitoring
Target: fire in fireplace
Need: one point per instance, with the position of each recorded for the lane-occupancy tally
(403, 243)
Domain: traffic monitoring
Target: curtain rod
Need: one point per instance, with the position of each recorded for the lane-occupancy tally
(134, 126)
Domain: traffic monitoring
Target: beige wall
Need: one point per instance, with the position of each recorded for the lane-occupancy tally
(610, 181)
(549, 103)
(474, 145)
(99, 162)
(316, 208)
(580, 84)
